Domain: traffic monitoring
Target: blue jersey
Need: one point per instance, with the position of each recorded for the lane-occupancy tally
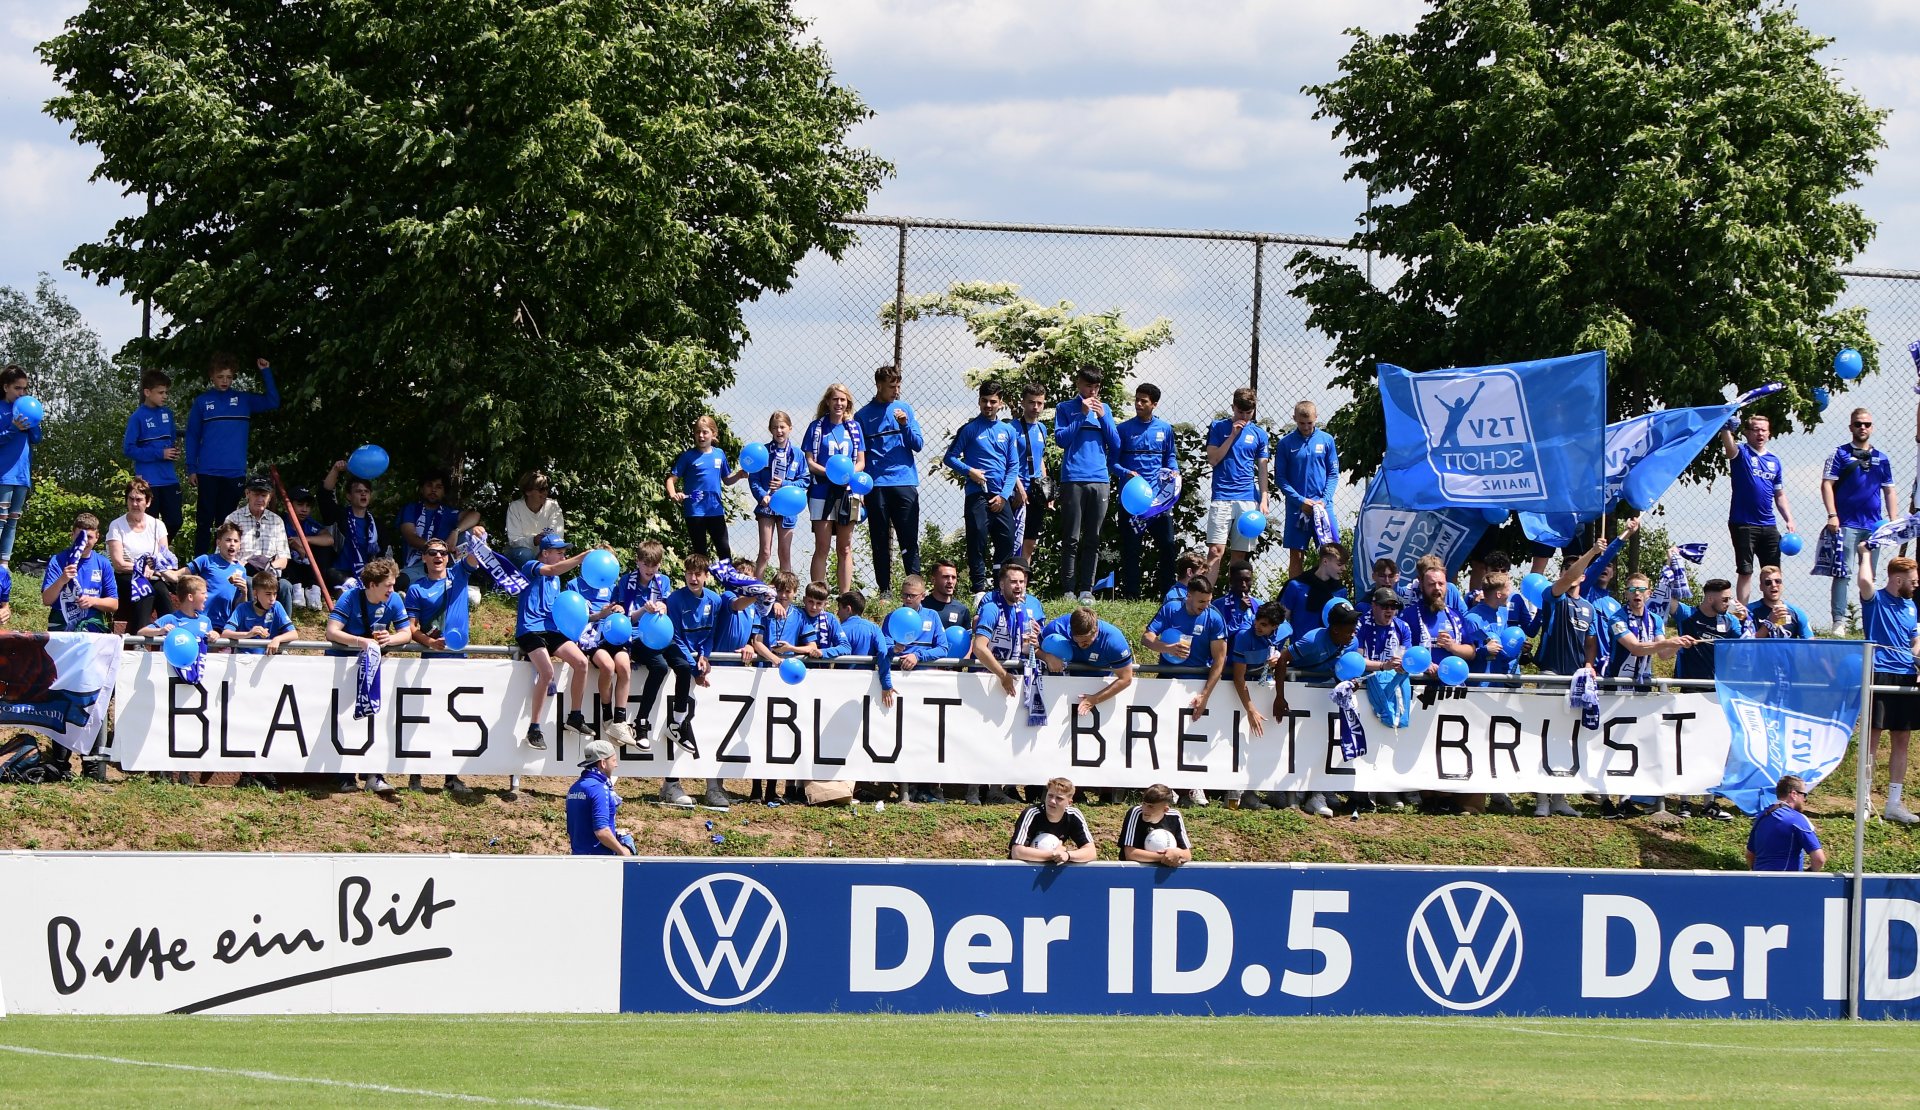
(1890, 624)
(16, 448)
(1797, 627)
(929, 643)
(309, 527)
(359, 542)
(150, 431)
(701, 474)
(867, 638)
(801, 630)
(891, 443)
(439, 606)
(1108, 651)
(592, 805)
(1756, 475)
(1004, 626)
(534, 611)
(1485, 623)
(1858, 477)
(1234, 476)
(1090, 442)
(222, 594)
(1030, 449)
(6, 585)
(734, 627)
(1645, 629)
(1255, 650)
(1146, 448)
(693, 616)
(1606, 611)
(1317, 650)
(986, 445)
(359, 616)
(786, 466)
(1236, 612)
(1427, 625)
(825, 439)
(430, 522)
(1197, 632)
(1569, 624)
(1306, 468)
(1779, 837)
(634, 591)
(92, 577)
(1306, 597)
(201, 626)
(218, 425)
(1697, 661)
(247, 617)
(1381, 643)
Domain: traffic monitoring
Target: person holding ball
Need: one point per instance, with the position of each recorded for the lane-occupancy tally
(1044, 831)
(1154, 831)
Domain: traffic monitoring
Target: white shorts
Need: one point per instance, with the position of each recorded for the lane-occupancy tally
(1221, 518)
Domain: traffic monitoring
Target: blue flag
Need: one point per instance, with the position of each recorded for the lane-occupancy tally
(1524, 436)
(1404, 535)
(1791, 705)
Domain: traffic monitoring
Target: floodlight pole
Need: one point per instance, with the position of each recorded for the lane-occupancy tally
(1862, 799)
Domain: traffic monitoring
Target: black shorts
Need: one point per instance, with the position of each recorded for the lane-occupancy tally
(611, 649)
(532, 640)
(1039, 502)
(1895, 712)
(1750, 540)
(835, 504)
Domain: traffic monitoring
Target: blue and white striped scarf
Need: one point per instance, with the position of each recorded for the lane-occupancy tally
(366, 687)
(145, 569)
(1583, 693)
(505, 574)
(1353, 733)
(1830, 556)
(1166, 494)
(1896, 532)
(69, 599)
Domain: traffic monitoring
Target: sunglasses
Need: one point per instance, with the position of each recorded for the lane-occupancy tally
(1637, 589)
(1863, 423)
(436, 553)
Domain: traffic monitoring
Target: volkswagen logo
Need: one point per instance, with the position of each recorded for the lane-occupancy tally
(725, 939)
(1464, 927)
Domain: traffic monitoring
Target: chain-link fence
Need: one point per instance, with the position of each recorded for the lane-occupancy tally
(1235, 322)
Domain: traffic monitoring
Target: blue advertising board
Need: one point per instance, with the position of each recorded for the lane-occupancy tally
(811, 936)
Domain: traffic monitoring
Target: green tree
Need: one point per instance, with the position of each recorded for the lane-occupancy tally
(486, 236)
(1659, 179)
(87, 394)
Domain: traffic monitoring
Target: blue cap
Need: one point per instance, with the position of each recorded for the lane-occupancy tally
(552, 539)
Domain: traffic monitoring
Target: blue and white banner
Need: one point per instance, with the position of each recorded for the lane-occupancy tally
(849, 937)
(1404, 535)
(1524, 436)
(1791, 705)
(58, 684)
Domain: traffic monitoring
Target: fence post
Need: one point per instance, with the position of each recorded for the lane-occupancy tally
(900, 297)
(1862, 803)
(1259, 270)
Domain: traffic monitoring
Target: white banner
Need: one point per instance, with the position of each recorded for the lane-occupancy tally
(58, 684)
(295, 713)
(153, 933)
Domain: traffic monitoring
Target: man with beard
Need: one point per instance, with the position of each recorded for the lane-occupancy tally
(1857, 487)
(1436, 623)
(1890, 622)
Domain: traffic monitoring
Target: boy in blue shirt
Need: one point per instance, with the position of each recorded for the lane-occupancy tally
(1238, 450)
(151, 443)
(541, 641)
(1095, 644)
(1307, 465)
(693, 609)
(78, 590)
(612, 662)
(260, 618)
(1306, 595)
(371, 614)
(430, 518)
(189, 609)
(893, 437)
(983, 455)
(216, 443)
(1083, 426)
(305, 573)
(1253, 650)
(929, 643)
(226, 575)
(1146, 449)
(359, 533)
(695, 481)
(810, 630)
(866, 638)
(17, 437)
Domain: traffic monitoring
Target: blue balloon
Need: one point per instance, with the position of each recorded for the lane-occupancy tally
(1417, 659)
(570, 614)
(860, 484)
(1251, 524)
(904, 625)
(1349, 666)
(1453, 670)
(367, 462)
(655, 630)
(456, 639)
(616, 629)
(753, 458)
(788, 500)
(1170, 635)
(793, 672)
(1534, 588)
(1848, 364)
(600, 568)
(1326, 611)
(1791, 543)
(30, 409)
(957, 641)
(839, 470)
(1494, 516)
(1136, 495)
(1057, 646)
(181, 647)
(1512, 639)
(1821, 398)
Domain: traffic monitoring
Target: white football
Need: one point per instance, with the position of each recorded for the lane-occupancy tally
(1159, 840)
(1046, 842)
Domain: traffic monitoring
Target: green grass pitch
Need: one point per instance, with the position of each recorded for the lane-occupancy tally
(842, 1060)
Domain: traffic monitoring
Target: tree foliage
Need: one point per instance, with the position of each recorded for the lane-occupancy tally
(1659, 179)
(486, 236)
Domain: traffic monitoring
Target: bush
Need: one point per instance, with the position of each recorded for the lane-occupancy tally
(47, 527)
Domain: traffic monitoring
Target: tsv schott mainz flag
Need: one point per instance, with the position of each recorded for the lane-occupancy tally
(1526, 436)
(1792, 705)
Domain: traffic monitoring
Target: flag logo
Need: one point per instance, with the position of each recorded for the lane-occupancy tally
(1479, 435)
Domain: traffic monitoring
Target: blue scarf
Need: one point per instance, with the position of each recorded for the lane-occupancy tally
(1353, 734)
(1830, 556)
(1695, 553)
(366, 688)
(504, 574)
(1166, 494)
(1583, 693)
(1896, 531)
(1323, 529)
(145, 569)
(193, 671)
(69, 600)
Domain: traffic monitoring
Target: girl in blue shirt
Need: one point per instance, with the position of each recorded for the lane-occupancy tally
(835, 509)
(785, 467)
(702, 469)
(17, 437)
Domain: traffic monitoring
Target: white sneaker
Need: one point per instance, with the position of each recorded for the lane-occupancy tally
(619, 733)
(1899, 815)
(1560, 807)
(1196, 797)
(1316, 804)
(673, 794)
(314, 600)
(379, 785)
(1085, 598)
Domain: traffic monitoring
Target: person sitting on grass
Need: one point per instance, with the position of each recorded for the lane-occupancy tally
(261, 624)
(1044, 831)
(1154, 831)
(541, 641)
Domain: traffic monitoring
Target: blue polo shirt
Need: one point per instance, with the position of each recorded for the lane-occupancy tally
(247, 618)
(1484, 623)
(1254, 650)
(92, 577)
(701, 474)
(441, 605)
(534, 613)
(891, 444)
(1233, 477)
(1197, 632)
(1109, 650)
(592, 805)
(1857, 481)
(1780, 836)
(1890, 623)
(1756, 475)
(360, 617)
(1307, 468)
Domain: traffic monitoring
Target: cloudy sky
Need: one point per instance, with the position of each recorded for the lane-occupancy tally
(1119, 112)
